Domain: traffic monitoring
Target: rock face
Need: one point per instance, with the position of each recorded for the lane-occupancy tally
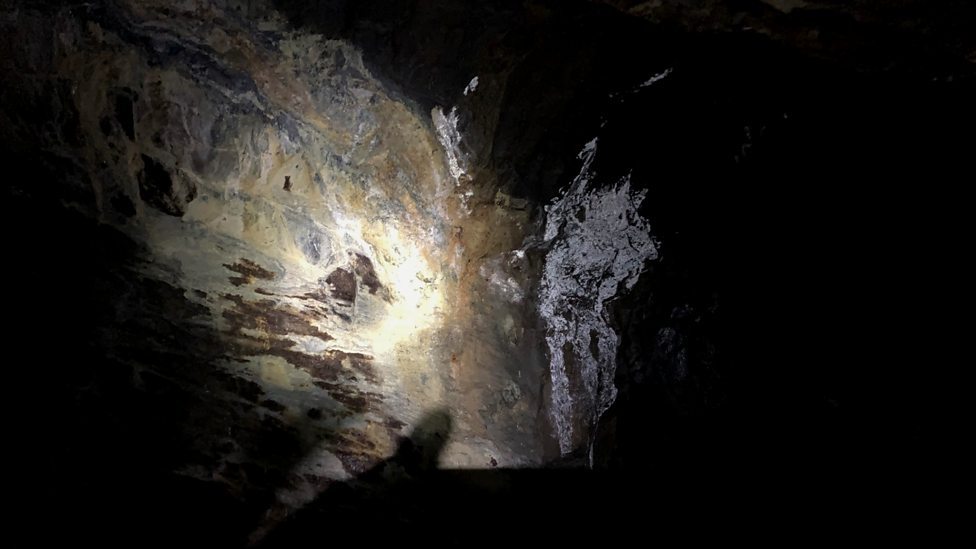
(303, 262)
(598, 244)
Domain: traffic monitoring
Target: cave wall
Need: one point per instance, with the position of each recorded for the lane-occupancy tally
(257, 247)
(275, 273)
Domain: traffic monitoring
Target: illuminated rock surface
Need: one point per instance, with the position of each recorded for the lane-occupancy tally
(298, 235)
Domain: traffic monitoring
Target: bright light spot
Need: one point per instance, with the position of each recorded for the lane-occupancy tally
(417, 297)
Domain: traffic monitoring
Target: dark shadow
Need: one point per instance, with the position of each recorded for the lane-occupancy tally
(408, 499)
(396, 493)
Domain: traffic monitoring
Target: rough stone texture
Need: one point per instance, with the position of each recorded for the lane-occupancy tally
(297, 256)
(598, 247)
